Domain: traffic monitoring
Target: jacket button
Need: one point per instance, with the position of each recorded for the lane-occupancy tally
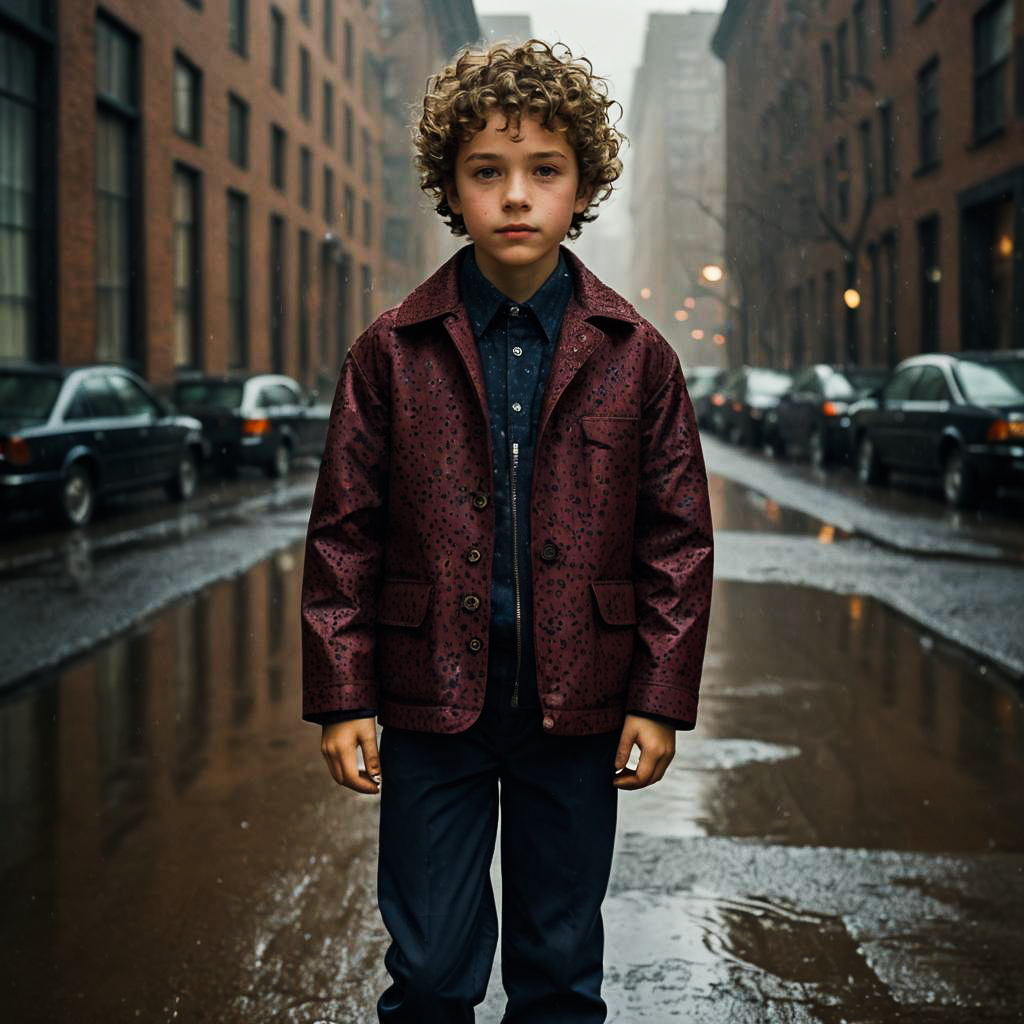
(471, 602)
(549, 552)
(479, 499)
(475, 644)
(548, 721)
(473, 555)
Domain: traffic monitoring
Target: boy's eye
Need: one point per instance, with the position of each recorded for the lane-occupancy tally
(542, 167)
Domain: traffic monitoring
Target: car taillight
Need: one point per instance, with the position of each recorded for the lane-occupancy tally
(737, 406)
(255, 427)
(718, 398)
(1006, 430)
(834, 408)
(16, 450)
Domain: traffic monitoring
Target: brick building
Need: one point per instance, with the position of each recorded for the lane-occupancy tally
(677, 162)
(875, 177)
(198, 184)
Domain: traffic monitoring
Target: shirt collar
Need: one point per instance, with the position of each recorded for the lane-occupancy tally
(483, 300)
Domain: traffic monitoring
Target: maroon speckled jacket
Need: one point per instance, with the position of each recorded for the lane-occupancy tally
(395, 598)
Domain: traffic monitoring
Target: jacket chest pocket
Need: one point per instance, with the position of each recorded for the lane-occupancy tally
(611, 450)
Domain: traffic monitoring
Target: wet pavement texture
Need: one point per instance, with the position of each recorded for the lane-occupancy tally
(841, 839)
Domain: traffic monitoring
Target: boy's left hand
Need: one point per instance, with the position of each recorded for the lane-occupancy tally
(657, 743)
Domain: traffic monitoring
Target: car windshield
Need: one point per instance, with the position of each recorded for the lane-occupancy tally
(854, 383)
(219, 394)
(27, 397)
(992, 383)
(768, 382)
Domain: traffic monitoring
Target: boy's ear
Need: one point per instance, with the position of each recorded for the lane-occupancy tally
(452, 193)
(583, 199)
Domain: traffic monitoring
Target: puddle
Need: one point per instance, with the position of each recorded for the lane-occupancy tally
(736, 507)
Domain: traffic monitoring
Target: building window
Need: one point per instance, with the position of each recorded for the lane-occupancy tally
(796, 328)
(278, 313)
(367, 155)
(930, 278)
(886, 132)
(305, 84)
(306, 11)
(843, 178)
(350, 135)
(929, 139)
(891, 285)
(278, 157)
(867, 157)
(238, 279)
(875, 264)
(327, 111)
(989, 243)
(238, 131)
(829, 310)
(922, 8)
(885, 25)
(306, 178)
(367, 282)
(186, 267)
(329, 28)
(117, 120)
(349, 51)
(993, 43)
(238, 26)
(860, 37)
(188, 87)
(827, 72)
(369, 93)
(396, 234)
(350, 211)
(329, 195)
(367, 223)
(277, 49)
(305, 243)
(843, 57)
(830, 186)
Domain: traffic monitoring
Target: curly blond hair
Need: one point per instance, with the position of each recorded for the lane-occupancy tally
(563, 92)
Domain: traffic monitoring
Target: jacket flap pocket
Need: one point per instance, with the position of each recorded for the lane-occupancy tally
(609, 430)
(403, 602)
(616, 601)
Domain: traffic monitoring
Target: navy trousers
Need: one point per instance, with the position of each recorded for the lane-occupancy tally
(439, 804)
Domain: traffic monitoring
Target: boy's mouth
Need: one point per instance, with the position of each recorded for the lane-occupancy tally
(516, 229)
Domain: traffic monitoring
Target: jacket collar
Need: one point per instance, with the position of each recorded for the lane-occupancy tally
(439, 295)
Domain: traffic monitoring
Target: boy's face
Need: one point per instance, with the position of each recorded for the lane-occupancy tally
(500, 181)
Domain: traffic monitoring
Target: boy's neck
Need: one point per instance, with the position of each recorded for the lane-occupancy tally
(519, 283)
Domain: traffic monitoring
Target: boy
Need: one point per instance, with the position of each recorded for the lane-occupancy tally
(508, 558)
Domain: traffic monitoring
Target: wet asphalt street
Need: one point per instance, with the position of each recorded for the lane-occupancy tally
(840, 840)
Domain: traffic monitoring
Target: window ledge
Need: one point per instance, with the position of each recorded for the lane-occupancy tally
(924, 12)
(980, 140)
(925, 169)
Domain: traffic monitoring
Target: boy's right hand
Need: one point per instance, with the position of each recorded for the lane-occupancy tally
(339, 743)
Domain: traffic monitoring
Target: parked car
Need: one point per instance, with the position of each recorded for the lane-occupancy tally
(701, 383)
(812, 416)
(959, 416)
(72, 435)
(262, 419)
(745, 398)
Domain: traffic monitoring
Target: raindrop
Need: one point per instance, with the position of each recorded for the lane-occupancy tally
(245, 824)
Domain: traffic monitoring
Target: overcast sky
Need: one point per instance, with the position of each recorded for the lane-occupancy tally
(608, 32)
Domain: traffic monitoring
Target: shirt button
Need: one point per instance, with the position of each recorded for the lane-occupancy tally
(475, 644)
(516, 407)
(548, 721)
(514, 310)
(517, 351)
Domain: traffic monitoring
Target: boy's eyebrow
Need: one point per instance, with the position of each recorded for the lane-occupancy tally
(548, 154)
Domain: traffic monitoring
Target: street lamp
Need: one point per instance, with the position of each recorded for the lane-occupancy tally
(851, 297)
(645, 293)
(712, 272)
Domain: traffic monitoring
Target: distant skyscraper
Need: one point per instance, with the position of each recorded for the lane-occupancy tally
(515, 28)
(676, 130)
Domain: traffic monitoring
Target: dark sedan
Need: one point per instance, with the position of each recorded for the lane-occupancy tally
(263, 420)
(812, 416)
(743, 402)
(72, 435)
(958, 416)
(701, 383)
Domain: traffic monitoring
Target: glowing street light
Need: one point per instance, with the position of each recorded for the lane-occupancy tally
(719, 339)
(645, 293)
(712, 273)
(851, 297)
(681, 314)
(689, 302)
(697, 334)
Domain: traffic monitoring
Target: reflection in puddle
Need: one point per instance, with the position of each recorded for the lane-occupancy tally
(736, 507)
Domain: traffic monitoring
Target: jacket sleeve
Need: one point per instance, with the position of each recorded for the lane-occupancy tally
(673, 555)
(344, 548)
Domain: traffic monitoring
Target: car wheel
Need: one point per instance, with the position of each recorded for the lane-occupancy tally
(818, 450)
(869, 467)
(77, 496)
(280, 465)
(183, 484)
(959, 480)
